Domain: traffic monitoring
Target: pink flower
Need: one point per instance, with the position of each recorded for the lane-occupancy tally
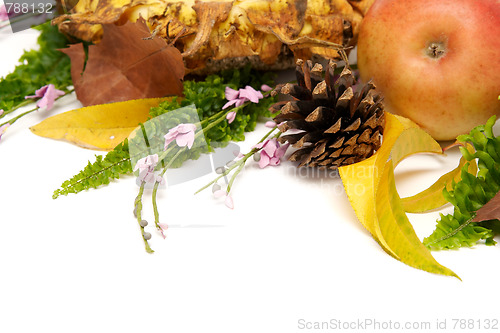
(271, 152)
(146, 167)
(1, 112)
(183, 134)
(4, 16)
(47, 94)
(270, 124)
(232, 94)
(3, 128)
(163, 227)
(230, 117)
(239, 97)
(251, 94)
(265, 88)
(228, 201)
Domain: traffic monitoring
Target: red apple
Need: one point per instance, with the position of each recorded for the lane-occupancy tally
(436, 62)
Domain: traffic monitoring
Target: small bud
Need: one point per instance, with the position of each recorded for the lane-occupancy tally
(230, 163)
(229, 202)
(270, 124)
(216, 187)
(220, 170)
(147, 236)
(256, 157)
(220, 193)
(143, 223)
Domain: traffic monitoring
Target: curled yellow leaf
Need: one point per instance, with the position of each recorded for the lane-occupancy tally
(371, 190)
(432, 197)
(99, 127)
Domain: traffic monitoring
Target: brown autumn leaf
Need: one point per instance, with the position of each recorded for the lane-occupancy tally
(126, 65)
(490, 211)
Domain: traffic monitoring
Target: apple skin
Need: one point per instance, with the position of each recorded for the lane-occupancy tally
(446, 95)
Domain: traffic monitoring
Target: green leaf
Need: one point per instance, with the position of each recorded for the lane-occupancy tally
(114, 164)
(470, 194)
(36, 69)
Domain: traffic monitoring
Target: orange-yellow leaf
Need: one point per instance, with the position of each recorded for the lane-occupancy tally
(99, 127)
(371, 190)
(432, 197)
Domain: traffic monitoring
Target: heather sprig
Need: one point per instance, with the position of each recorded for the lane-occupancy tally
(184, 134)
(238, 165)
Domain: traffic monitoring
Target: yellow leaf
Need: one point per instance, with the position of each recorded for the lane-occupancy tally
(361, 179)
(411, 141)
(432, 197)
(100, 127)
(397, 230)
(371, 190)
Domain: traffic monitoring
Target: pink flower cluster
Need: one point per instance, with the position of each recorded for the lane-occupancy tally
(47, 95)
(271, 152)
(146, 167)
(183, 134)
(239, 97)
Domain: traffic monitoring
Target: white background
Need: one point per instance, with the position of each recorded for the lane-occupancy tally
(291, 249)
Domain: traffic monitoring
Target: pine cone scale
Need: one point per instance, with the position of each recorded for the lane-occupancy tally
(335, 127)
(338, 126)
(353, 126)
(352, 141)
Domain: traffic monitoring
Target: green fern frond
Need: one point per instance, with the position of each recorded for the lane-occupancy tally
(450, 234)
(470, 194)
(114, 164)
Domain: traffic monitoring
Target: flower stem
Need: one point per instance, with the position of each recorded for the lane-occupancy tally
(251, 153)
(24, 103)
(13, 120)
(155, 190)
(239, 164)
(138, 212)
(15, 107)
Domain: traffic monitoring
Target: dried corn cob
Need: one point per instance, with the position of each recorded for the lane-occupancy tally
(215, 32)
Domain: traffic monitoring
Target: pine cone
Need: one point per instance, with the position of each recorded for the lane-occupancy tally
(336, 125)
